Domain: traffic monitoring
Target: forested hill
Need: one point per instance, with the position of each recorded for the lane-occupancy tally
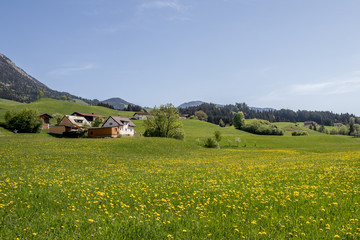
(226, 113)
(17, 85)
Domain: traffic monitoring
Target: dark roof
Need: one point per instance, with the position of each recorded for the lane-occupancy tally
(87, 114)
(120, 120)
(141, 113)
(45, 114)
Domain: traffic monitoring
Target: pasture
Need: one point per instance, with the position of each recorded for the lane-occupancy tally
(265, 187)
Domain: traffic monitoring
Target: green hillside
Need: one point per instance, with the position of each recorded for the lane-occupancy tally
(51, 106)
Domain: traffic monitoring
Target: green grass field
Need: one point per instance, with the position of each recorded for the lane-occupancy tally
(277, 187)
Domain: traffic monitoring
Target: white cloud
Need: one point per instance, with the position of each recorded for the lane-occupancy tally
(70, 70)
(162, 4)
(327, 88)
(347, 84)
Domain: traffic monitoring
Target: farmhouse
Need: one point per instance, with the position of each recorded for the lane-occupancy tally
(125, 125)
(184, 116)
(69, 124)
(310, 123)
(90, 117)
(141, 116)
(46, 118)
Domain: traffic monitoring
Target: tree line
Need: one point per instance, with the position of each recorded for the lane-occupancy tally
(226, 113)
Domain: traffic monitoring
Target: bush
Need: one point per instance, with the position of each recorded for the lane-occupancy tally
(217, 135)
(299, 133)
(211, 143)
(25, 121)
(262, 127)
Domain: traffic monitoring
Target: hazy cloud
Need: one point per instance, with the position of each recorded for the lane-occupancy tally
(70, 70)
(162, 4)
(342, 85)
(327, 88)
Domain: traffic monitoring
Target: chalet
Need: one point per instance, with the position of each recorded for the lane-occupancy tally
(69, 124)
(125, 125)
(102, 132)
(141, 116)
(310, 123)
(90, 117)
(337, 124)
(46, 118)
(184, 116)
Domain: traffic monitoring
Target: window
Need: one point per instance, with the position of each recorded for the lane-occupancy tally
(115, 129)
(110, 123)
(78, 120)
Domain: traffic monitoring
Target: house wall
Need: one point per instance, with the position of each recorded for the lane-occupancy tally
(65, 122)
(103, 132)
(110, 122)
(45, 119)
(126, 130)
(57, 129)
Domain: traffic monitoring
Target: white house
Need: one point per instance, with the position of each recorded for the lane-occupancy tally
(141, 115)
(126, 126)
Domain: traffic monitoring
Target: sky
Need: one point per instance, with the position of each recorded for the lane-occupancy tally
(281, 53)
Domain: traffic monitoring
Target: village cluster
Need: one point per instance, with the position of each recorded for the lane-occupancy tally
(77, 122)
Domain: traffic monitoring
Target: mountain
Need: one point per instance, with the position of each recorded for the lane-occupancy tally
(195, 104)
(117, 103)
(17, 85)
(191, 104)
(262, 109)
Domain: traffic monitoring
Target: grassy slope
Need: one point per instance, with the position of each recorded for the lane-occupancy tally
(196, 131)
(52, 106)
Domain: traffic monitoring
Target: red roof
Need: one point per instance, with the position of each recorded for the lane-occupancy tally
(45, 114)
(88, 114)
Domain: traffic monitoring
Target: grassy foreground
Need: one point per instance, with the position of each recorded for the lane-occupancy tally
(150, 188)
(265, 187)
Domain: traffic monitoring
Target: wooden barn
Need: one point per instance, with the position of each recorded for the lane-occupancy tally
(102, 132)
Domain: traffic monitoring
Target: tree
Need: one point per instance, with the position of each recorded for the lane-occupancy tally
(63, 97)
(164, 122)
(239, 120)
(40, 94)
(217, 136)
(97, 122)
(26, 121)
(201, 115)
(221, 123)
(58, 117)
(351, 125)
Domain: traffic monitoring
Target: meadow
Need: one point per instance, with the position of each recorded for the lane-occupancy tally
(266, 187)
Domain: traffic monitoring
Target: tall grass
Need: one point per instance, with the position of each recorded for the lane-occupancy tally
(152, 188)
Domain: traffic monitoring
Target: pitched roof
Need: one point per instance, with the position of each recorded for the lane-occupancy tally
(141, 113)
(45, 114)
(87, 114)
(75, 120)
(121, 120)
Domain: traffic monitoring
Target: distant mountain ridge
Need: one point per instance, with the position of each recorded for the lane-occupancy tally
(198, 103)
(117, 103)
(17, 85)
(195, 104)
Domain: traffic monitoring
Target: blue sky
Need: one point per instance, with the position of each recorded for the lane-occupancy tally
(280, 53)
